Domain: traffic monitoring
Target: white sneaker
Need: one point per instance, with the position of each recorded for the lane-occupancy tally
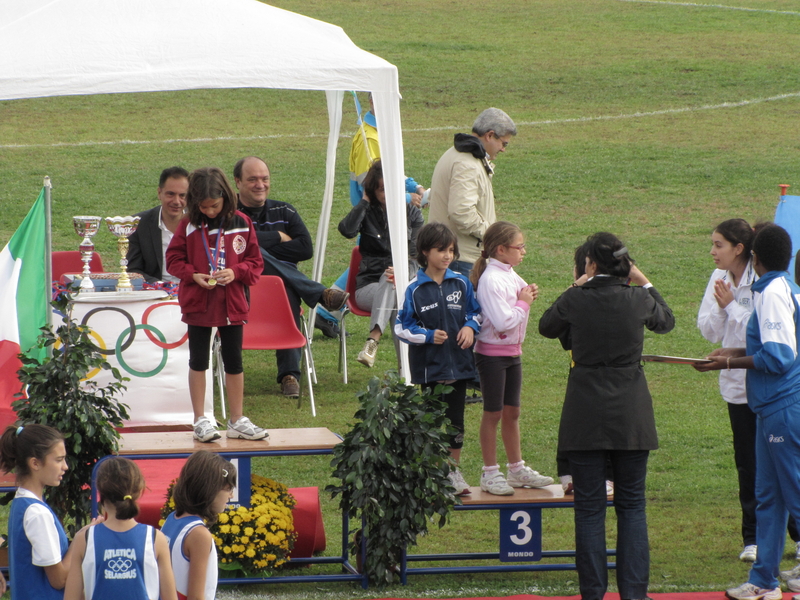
(459, 483)
(609, 487)
(204, 430)
(566, 485)
(496, 485)
(747, 591)
(368, 353)
(749, 554)
(245, 429)
(797, 552)
(528, 478)
(793, 585)
(791, 574)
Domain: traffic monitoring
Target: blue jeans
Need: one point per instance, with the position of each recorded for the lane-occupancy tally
(633, 549)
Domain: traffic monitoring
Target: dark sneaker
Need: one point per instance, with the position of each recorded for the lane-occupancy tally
(333, 299)
(328, 328)
(290, 387)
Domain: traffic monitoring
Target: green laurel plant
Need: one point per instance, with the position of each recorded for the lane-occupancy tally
(393, 466)
(58, 395)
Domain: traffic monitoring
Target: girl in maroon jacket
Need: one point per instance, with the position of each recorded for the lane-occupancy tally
(215, 255)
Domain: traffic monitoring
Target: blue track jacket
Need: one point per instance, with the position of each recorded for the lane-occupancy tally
(772, 341)
(429, 306)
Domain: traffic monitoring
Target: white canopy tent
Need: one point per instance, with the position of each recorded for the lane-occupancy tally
(78, 47)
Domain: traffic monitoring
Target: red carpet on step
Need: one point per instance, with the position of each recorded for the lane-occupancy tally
(670, 596)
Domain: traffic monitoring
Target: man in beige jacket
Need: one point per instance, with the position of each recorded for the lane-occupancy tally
(461, 194)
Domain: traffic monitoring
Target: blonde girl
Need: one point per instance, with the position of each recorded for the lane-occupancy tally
(505, 301)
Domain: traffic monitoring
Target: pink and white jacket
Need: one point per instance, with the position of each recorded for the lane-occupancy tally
(505, 317)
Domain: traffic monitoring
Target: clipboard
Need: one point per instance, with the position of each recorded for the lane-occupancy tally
(678, 360)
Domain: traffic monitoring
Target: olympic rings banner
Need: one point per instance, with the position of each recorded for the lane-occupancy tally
(141, 333)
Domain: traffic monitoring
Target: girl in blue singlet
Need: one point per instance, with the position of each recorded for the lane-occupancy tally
(39, 561)
(119, 558)
(203, 489)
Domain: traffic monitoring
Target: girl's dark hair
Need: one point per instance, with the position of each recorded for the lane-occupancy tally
(20, 443)
(120, 483)
(738, 231)
(772, 246)
(372, 181)
(202, 477)
(580, 261)
(435, 235)
(501, 233)
(205, 183)
(609, 254)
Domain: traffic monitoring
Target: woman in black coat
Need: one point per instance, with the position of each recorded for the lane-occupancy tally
(608, 411)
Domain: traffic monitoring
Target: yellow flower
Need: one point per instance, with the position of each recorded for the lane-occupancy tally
(227, 549)
(223, 518)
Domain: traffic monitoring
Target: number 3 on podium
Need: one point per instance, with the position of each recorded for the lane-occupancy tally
(520, 535)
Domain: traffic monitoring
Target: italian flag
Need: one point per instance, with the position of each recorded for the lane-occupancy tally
(23, 297)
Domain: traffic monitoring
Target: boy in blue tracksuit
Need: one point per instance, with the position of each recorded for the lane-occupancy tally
(773, 393)
(439, 320)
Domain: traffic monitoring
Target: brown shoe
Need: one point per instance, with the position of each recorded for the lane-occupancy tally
(289, 387)
(333, 299)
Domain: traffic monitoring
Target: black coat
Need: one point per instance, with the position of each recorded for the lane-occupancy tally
(145, 255)
(372, 224)
(607, 404)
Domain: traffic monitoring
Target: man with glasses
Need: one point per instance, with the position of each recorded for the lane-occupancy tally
(461, 194)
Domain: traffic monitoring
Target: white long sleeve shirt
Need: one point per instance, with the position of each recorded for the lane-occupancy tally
(729, 326)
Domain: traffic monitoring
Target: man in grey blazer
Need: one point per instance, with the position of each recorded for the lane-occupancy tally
(147, 245)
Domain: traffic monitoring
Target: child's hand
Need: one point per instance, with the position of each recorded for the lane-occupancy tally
(723, 293)
(201, 279)
(526, 295)
(534, 290)
(465, 338)
(389, 272)
(440, 336)
(224, 276)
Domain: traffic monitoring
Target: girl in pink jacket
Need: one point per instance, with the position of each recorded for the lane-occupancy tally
(505, 300)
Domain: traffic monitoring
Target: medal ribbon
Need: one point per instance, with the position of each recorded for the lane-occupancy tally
(212, 258)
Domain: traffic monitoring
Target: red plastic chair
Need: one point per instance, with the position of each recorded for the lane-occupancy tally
(350, 288)
(69, 261)
(271, 326)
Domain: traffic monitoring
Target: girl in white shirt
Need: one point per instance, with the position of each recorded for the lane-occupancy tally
(723, 317)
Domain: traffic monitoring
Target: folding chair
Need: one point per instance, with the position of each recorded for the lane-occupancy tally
(351, 307)
(69, 261)
(270, 326)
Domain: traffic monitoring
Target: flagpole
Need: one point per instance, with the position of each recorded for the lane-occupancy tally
(48, 248)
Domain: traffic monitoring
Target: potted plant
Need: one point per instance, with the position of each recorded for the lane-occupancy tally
(393, 466)
(57, 394)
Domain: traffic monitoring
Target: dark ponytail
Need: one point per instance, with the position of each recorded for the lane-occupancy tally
(609, 255)
(18, 444)
(120, 483)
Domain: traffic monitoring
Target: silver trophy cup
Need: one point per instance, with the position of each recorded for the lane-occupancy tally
(86, 227)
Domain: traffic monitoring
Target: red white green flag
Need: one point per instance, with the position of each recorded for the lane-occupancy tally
(23, 296)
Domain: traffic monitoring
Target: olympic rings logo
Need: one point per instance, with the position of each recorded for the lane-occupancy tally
(128, 335)
(120, 565)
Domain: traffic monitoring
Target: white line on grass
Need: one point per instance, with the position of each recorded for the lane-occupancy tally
(636, 115)
(722, 6)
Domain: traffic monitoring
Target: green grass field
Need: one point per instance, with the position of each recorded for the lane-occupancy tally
(653, 120)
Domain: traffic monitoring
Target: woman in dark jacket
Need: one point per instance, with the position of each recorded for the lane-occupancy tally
(375, 280)
(608, 411)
